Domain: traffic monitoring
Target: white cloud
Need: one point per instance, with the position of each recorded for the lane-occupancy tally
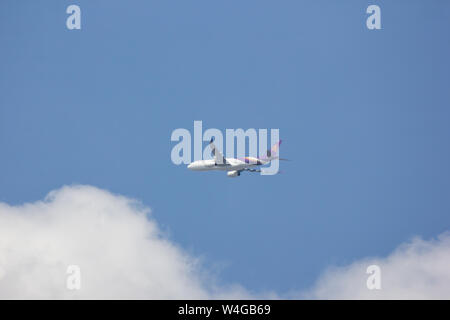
(416, 270)
(119, 248)
(123, 254)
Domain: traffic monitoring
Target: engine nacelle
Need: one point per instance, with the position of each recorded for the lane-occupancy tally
(233, 174)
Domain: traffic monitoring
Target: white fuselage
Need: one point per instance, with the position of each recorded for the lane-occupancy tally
(231, 165)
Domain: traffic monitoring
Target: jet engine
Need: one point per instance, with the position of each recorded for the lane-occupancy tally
(233, 173)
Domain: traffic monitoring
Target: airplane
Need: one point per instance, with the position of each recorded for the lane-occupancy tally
(234, 166)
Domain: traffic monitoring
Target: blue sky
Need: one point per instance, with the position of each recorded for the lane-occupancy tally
(363, 115)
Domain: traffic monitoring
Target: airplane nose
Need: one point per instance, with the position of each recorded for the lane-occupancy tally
(190, 166)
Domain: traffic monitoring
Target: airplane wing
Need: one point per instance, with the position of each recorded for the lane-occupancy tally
(218, 156)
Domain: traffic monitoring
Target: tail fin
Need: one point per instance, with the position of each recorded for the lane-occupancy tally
(272, 153)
